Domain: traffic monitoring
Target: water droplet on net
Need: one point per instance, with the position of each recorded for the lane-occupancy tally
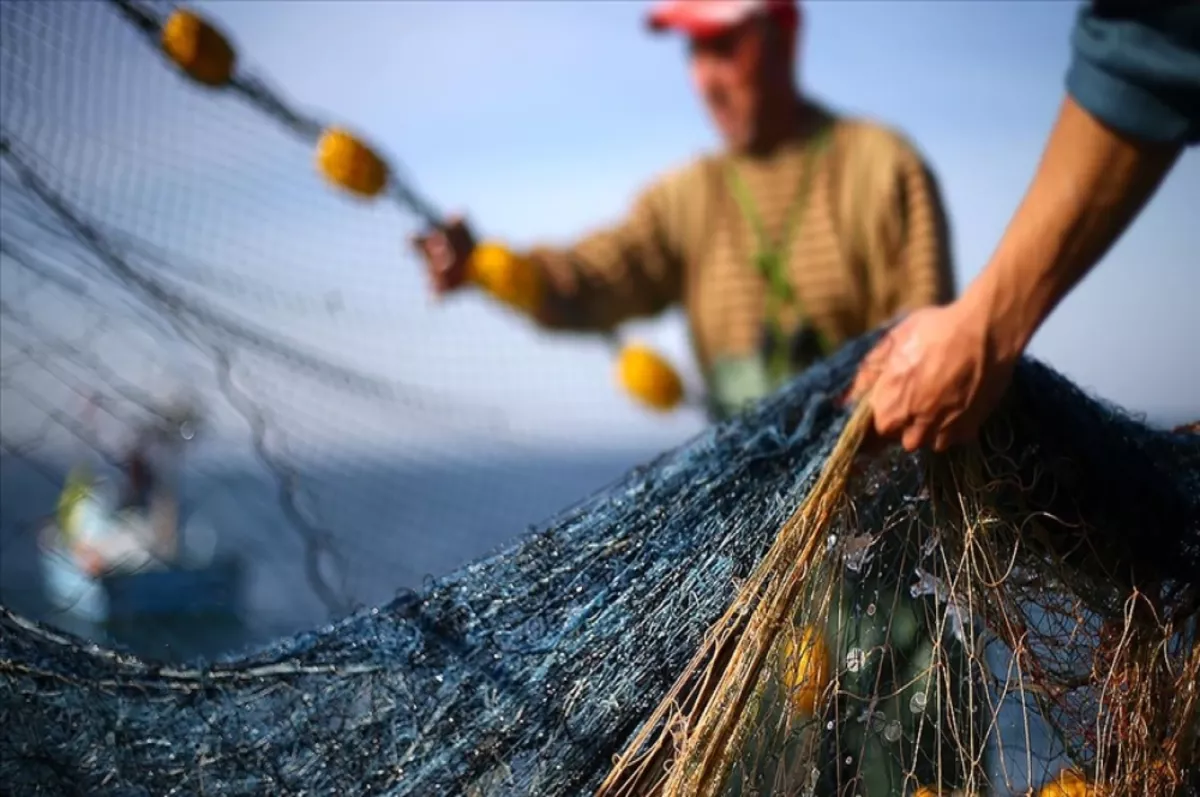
(858, 552)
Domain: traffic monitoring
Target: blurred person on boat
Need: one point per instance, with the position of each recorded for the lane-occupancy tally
(138, 530)
(1131, 106)
(115, 534)
(809, 229)
(152, 471)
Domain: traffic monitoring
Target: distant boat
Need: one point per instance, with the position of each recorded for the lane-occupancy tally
(141, 588)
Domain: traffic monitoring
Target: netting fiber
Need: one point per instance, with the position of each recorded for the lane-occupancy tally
(966, 632)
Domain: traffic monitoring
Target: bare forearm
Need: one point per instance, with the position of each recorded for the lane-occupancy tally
(1092, 182)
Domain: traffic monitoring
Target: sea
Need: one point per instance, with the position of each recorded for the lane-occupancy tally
(380, 529)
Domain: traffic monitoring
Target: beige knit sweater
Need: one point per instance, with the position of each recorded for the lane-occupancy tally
(872, 243)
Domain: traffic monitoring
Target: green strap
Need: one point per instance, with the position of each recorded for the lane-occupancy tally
(771, 259)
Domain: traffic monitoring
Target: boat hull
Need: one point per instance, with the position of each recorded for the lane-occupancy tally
(175, 591)
(160, 592)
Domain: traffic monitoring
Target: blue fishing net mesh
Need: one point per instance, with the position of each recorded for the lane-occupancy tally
(1016, 616)
(530, 671)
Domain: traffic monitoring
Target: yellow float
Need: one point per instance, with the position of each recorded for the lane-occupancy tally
(1069, 783)
(806, 670)
(351, 165)
(198, 48)
(649, 378)
(346, 162)
(515, 281)
(512, 279)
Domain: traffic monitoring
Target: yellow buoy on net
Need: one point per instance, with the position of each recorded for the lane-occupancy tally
(926, 791)
(350, 164)
(806, 670)
(649, 378)
(1069, 783)
(507, 276)
(198, 48)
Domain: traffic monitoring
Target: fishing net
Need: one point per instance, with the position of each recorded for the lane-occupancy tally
(1016, 616)
(769, 609)
(164, 238)
(986, 621)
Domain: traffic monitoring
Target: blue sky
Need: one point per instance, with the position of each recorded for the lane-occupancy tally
(540, 120)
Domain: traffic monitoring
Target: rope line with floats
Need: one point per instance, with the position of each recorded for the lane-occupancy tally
(204, 54)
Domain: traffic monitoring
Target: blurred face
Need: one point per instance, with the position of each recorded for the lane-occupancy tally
(738, 74)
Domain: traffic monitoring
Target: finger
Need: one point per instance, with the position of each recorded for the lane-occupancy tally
(887, 405)
(441, 255)
(433, 249)
(419, 243)
(864, 380)
(437, 242)
(956, 433)
(869, 370)
(942, 431)
(915, 436)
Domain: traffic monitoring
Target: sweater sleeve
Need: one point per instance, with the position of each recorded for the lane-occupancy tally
(1135, 66)
(632, 268)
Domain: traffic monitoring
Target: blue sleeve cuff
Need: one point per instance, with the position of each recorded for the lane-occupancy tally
(1140, 76)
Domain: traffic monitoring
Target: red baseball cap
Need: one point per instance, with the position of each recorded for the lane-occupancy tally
(702, 18)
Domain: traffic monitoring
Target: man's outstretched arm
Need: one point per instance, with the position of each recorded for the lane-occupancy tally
(628, 269)
(1092, 183)
(1133, 103)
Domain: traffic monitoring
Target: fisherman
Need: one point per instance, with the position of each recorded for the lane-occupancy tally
(140, 481)
(140, 531)
(810, 228)
(79, 507)
(149, 507)
(1132, 105)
